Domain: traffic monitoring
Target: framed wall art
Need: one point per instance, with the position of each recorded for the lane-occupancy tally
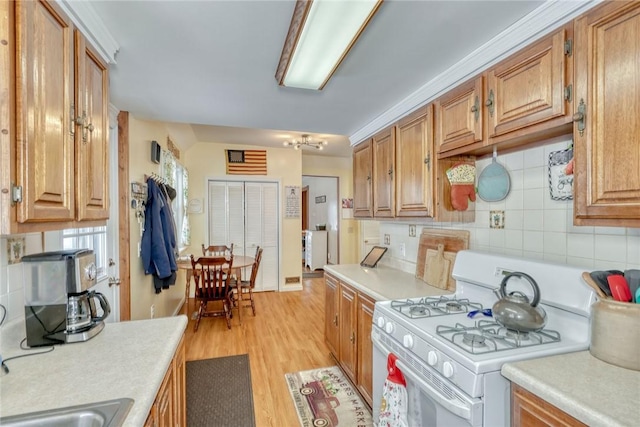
(561, 174)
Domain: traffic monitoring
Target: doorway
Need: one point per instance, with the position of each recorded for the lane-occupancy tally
(322, 209)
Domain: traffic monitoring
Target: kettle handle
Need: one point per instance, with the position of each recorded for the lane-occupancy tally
(534, 286)
(104, 305)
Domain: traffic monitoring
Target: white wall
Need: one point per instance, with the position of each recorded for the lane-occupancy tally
(535, 225)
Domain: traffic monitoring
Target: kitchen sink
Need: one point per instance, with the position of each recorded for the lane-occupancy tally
(99, 414)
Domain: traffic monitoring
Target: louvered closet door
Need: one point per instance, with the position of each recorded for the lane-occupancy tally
(246, 214)
(261, 203)
(226, 215)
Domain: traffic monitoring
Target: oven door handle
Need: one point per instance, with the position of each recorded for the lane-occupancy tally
(460, 410)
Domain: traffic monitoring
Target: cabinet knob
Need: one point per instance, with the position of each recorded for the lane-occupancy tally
(489, 103)
(580, 117)
(352, 338)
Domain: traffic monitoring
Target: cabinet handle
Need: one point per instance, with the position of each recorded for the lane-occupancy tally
(369, 177)
(489, 103)
(73, 120)
(581, 116)
(475, 109)
(352, 338)
(391, 172)
(335, 320)
(427, 160)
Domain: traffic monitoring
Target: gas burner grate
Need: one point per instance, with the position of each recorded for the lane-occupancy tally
(487, 336)
(434, 306)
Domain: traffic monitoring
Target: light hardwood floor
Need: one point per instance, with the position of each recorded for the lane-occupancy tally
(286, 335)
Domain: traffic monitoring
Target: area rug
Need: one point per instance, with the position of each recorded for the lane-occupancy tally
(324, 397)
(219, 392)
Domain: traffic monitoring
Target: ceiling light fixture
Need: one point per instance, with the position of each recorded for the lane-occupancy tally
(305, 142)
(320, 36)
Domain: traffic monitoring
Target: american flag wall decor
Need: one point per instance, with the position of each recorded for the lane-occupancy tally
(246, 162)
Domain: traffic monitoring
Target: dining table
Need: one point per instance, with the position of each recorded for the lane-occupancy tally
(239, 262)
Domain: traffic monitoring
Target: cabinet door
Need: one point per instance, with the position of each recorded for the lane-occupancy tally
(362, 180)
(347, 325)
(331, 330)
(365, 347)
(384, 161)
(180, 374)
(529, 87)
(414, 171)
(528, 410)
(607, 148)
(165, 401)
(44, 98)
(92, 162)
(459, 117)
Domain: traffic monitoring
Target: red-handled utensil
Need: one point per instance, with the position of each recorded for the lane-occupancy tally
(619, 288)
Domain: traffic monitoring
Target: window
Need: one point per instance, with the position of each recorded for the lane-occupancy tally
(94, 238)
(176, 176)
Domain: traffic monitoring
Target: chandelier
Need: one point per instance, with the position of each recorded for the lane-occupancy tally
(305, 142)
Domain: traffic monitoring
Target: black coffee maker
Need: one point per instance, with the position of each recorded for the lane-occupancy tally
(60, 306)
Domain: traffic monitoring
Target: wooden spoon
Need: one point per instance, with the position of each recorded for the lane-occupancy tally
(592, 284)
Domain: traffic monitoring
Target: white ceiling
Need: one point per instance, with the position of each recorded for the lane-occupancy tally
(211, 64)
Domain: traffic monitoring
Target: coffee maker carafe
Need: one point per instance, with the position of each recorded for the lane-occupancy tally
(81, 310)
(59, 302)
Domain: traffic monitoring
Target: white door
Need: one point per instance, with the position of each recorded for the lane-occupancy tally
(108, 284)
(246, 214)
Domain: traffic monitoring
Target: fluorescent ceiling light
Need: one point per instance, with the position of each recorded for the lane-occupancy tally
(320, 36)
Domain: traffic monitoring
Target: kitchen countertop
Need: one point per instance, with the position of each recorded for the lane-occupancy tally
(383, 283)
(126, 359)
(588, 389)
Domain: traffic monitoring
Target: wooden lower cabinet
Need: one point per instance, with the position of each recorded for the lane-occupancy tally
(348, 323)
(529, 410)
(169, 407)
(365, 347)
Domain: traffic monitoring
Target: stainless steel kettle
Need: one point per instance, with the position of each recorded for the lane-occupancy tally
(514, 311)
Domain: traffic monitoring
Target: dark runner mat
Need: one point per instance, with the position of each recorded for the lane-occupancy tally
(219, 392)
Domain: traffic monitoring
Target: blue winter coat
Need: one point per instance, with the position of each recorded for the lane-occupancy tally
(158, 247)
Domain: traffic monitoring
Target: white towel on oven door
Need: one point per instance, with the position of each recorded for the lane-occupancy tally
(393, 408)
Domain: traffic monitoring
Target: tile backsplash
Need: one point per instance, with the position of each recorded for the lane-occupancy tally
(11, 283)
(535, 225)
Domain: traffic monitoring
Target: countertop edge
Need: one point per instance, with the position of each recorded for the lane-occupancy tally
(376, 296)
(556, 397)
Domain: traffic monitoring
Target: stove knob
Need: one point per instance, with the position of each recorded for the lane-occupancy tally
(432, 358)
(389, 328)
(380, 322)
(407, 341)
(447, 369)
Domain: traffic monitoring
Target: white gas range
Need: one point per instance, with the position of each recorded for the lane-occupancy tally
(450, 350)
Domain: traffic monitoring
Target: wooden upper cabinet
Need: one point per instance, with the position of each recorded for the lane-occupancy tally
(383, 145)
(529, 87)
(44, 104)
(362, 180)
(607, 96)
(414, 160)
(92, 88)
(459, 118)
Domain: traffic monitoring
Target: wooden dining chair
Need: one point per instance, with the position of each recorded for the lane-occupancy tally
(212, 280)
(245, 287)
(217, 250)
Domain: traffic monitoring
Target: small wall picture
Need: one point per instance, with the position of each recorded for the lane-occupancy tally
(321, 199)
(496, 219)
(347, 203)
(15, 249)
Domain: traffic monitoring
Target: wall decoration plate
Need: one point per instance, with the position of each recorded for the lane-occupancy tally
(560, 184)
